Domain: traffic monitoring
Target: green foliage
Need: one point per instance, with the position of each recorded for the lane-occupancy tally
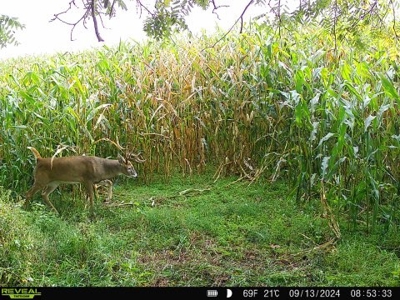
(190, 231)
(343, 19)
(163, 22)
(8, 25)
(258, 105)
(17, 245)
(169, 17)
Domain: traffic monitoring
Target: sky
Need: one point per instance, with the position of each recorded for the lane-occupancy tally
(41, 36)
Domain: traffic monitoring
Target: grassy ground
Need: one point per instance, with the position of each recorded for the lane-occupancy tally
(189, 232)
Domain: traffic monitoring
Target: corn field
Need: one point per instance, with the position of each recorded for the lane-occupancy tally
(257, 105)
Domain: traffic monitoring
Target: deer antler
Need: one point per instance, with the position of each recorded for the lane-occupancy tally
(130, 155)
(135, 157)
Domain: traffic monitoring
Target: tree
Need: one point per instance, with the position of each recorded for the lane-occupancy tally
(345, 18)
(163, 17)
(8, 25)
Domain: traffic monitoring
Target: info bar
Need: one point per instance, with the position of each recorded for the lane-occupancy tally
(39, 293)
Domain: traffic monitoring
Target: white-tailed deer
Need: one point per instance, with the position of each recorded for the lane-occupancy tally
(49, 173)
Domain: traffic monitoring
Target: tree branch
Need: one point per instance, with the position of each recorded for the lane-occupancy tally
(89, 11)
(234, 24)
(394, 20)
(140, 5)
(57, 17)
(335, 20)
(94, 17)
(216, 7)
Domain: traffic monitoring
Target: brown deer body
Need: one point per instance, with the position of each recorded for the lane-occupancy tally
(49, 173)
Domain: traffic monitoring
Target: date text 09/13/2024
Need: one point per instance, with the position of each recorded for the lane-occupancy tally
(337, 293)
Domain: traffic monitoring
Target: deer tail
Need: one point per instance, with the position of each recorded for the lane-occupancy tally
(35, 152)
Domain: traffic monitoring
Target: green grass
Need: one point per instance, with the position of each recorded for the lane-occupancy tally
(189, 231)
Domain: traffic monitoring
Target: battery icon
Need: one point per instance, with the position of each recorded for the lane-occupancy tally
(212, 293)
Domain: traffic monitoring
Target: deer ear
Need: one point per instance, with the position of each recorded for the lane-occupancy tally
(121, 159)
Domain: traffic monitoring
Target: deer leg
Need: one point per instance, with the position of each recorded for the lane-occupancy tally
(46, 192)
(90, 192)
(109, 184)
(110, 189)
(32, 191)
